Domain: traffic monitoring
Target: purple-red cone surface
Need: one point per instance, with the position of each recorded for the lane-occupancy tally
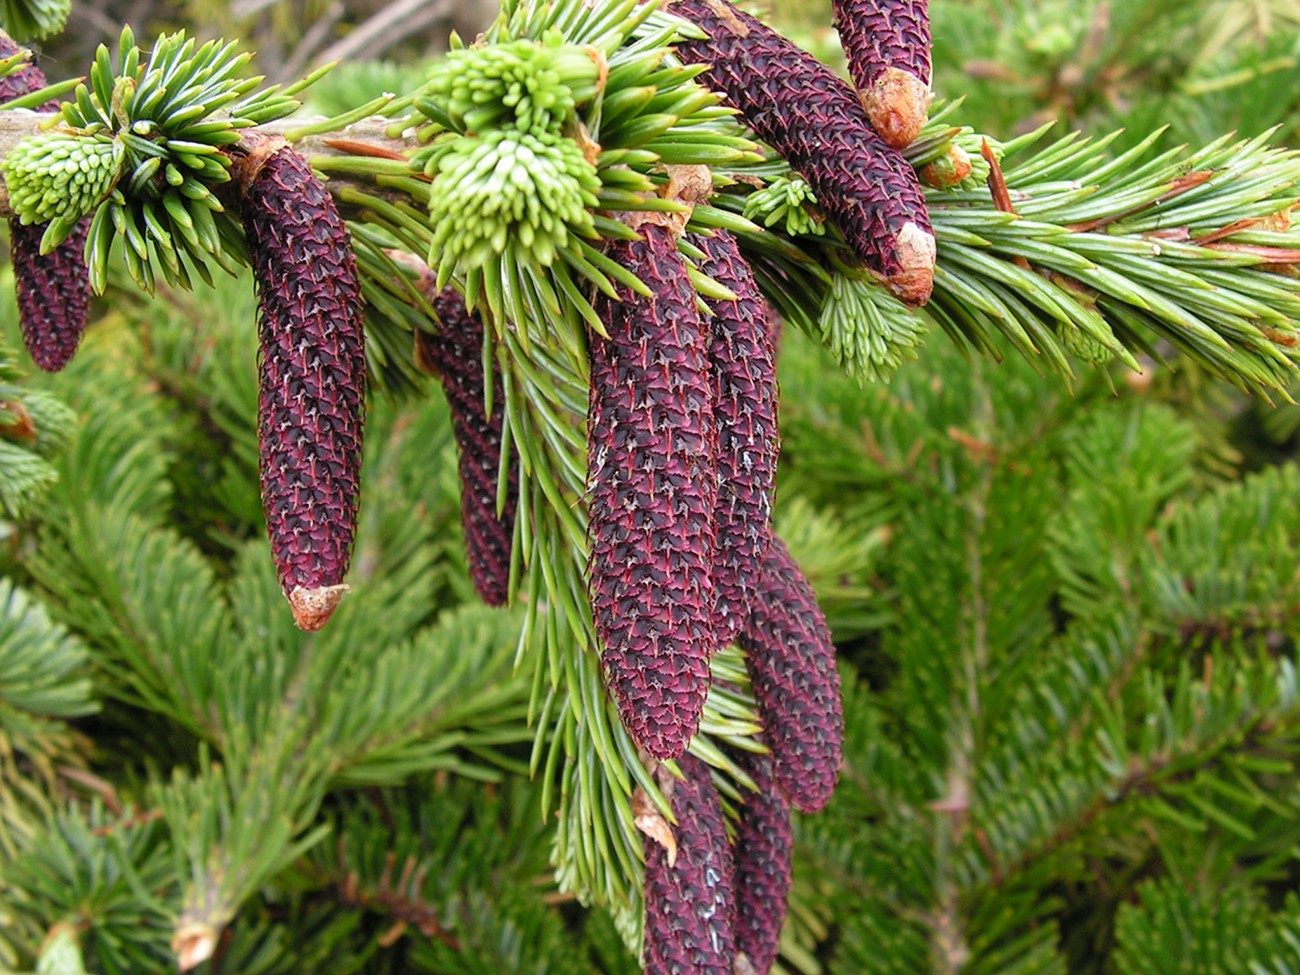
(812, 118)
(791, 663)
(53, 292)
(744, 375)
(456, 355)
(689, 905)
(313, 372)
(887, 44)
(23, 80)
(652, 487)
(53, 289)
(764, 855)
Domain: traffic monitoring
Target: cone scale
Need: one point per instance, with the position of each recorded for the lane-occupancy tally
(764, 860)
(652, 488)
(689, 898)
(312, 377)
(791, 662)
(456, 356)
(743, 356)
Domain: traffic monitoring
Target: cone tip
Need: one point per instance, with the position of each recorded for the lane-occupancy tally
(193, 943)
(915, 250)
(312, 608)
(898, 105)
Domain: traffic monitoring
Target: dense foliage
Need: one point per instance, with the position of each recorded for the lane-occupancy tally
(1063, 592)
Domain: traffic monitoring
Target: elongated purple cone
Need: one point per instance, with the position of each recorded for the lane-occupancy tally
(53, 289)
(744, 374)
(311, 403)
(456, 354)
(764, 858)
(652, 489)
(813, 119)
(690, 905)
(887, 44)
(53, 293)
(791, 663)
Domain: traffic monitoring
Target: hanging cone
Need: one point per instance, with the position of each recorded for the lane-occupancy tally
(313, 371)
(652, 488)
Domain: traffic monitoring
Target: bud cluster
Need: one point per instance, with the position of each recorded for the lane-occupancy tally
(869, 334)
(508, 187)
(56, 174)
(530, 85)
(37, 19)
(141, 147)
(786, 202)
(503, 172)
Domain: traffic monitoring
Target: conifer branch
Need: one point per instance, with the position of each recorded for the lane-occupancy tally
(1069, 256)
(370, 135)
(1106, 247)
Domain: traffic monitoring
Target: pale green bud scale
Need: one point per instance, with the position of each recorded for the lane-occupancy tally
(536, 189)
(56, 176)
(785, 203)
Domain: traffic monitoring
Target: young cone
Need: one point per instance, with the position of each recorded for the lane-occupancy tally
(456, 357)
(313, 370)
(792, 670)
(744, 376)
(813, 119)
(652, 489)
(764, 856)
(53, 289)
(887, 44)
(53, 292)
(689, 900)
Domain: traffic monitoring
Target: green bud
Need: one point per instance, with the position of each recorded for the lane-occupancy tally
(1083, 346)
(534, 190)
(61, 953)
(972, 144)
(949, 170)
(53, 420)
(788, 204)
(27, 478)
(55, 176)
(34, 19)
(529, 85)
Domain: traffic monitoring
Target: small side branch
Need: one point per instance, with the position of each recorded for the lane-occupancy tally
(368, 137)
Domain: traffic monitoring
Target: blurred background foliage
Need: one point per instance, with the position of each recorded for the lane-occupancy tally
(288, 36)
(1067, 617)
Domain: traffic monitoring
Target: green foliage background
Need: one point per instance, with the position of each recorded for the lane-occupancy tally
(1067, 622)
